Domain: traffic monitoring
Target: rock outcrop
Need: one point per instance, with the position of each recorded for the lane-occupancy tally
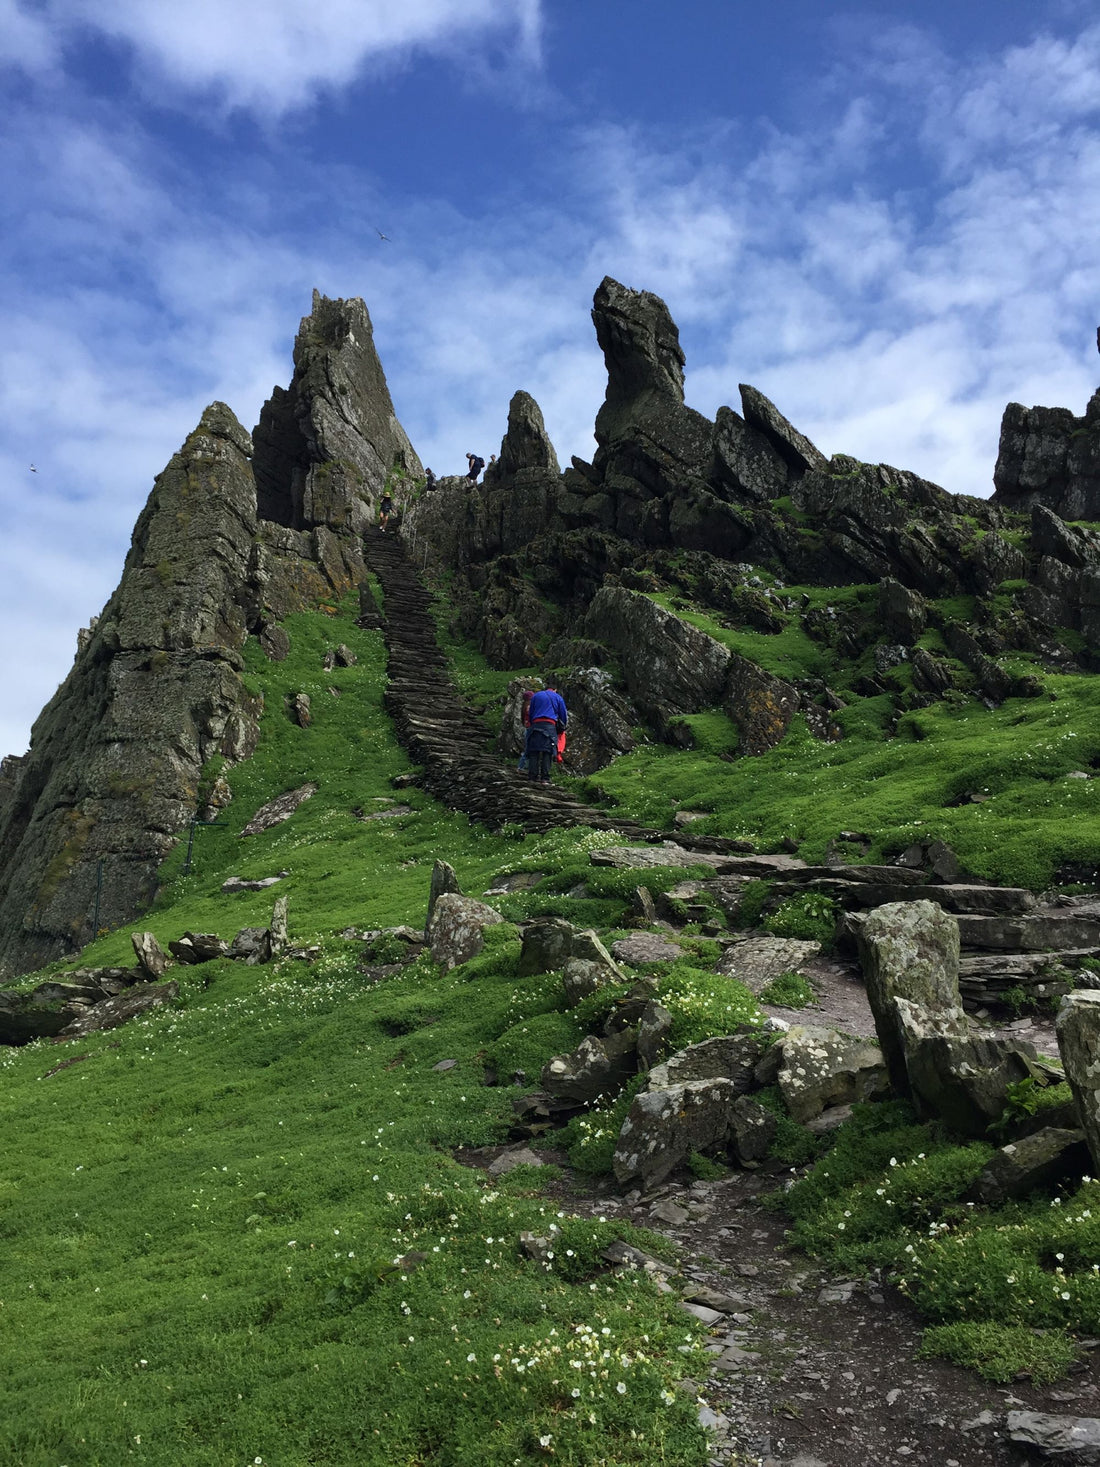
(236, 534)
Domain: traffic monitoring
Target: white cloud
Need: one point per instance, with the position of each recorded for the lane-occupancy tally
(271, 55)
(893, 324)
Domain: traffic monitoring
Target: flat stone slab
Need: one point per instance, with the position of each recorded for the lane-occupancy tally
(645, 947)
(243, 883)
(1012, 901)
(1072, 1439)
(669, 853)
(760, 960)
(1040, 932)
(279, 809)
(120, 1010)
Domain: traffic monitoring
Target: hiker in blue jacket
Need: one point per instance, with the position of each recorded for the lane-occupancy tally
(546, 718)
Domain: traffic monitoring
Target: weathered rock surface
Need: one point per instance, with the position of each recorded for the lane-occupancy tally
(752, 1129)
(1071, 1440)
(237, 533)
(281, 808)
(444, 879)
(758, 961)
(664, 1126)
(821, 1068)
(643, 948)
(910, 951)
(121, 1009)
(456, 932)
(596, 1067)
(198, 947)
(654, 1028)
(732, 1057)
(1041, 1159)
(152, 959)
(1078, 1029)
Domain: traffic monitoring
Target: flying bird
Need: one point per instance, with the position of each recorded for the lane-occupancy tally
(380, 235)
(33, 469)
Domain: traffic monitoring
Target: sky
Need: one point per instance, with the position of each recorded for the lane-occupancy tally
(883, 215)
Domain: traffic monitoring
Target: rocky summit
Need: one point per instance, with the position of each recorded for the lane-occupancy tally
(583, 570)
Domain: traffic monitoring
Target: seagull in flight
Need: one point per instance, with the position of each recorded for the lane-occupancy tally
(33, 469)
(382, 236)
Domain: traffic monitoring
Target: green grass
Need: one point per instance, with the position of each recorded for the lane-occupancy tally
(201, 1212)
(899, 789)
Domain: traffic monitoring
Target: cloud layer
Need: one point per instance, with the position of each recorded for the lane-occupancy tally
(915, 251)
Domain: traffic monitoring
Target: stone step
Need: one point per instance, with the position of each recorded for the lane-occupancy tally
(955, 897)
(1042, 932)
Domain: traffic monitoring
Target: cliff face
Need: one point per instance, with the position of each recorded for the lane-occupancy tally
(1049, 457)
(234, 534)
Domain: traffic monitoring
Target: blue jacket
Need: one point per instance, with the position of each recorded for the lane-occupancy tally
(548, 704)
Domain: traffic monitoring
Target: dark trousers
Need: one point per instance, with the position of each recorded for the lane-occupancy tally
(542, 745)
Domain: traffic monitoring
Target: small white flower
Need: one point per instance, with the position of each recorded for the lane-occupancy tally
(621, 1388)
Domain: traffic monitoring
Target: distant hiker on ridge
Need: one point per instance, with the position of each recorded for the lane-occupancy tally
(429, 481)
(385, 509)
(476, 466)
(546, 718)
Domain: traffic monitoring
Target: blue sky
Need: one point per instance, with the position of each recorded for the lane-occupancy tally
(885, 216)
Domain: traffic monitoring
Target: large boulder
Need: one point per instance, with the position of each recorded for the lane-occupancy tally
(964, 1079)
(732, 1057)
(663, 1128)
(1078, 1027)
(596, 1067)
(547, 945)
(151, 957)
(457, 930)
(822, 1068)
(910, 950)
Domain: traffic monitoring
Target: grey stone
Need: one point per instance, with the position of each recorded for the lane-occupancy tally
(667, 1211)
(596, 1067)
(752, 1129)
(279, 809)
(579, 979)
(792, 446)
(965, 1079)
(1071, 1439)
(586, 946)
(759, 960)
(1078, 1029)
(252, 945)
(344, 656)
(457, 930)
(443, 879)
(507, 1161)
(643, 948)
(663, 1127)
(300, 709)
(278, 926)
(198, 947)
(822, 1067)
(1045, 1157)
(654, 1027)
(150, 955)
(121, 1009)
(275, 641)
(236, 884)
(910, 950)
(547, 945)
(732, 1057)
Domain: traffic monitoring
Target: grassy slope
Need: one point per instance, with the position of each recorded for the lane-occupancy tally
(195, 1243)
(199, 1215)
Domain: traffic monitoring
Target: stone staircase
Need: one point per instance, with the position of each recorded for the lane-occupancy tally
(441, 732)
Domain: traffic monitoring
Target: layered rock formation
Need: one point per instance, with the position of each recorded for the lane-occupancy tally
(236, 533)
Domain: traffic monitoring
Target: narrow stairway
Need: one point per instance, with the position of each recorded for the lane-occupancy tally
(441, 732)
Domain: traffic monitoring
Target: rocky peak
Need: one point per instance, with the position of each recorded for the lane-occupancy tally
(641, 347)
(325, 446)
(1048, 456)
(526, 444)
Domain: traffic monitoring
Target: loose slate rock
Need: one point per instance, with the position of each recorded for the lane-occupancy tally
(151, 957)
(646, 947)
(119, 1010)
(507, 1161)
(457, 930)
(664, 1127)
(1071, 1439)
(279, 809)
(731, 1057)
(760, 960)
